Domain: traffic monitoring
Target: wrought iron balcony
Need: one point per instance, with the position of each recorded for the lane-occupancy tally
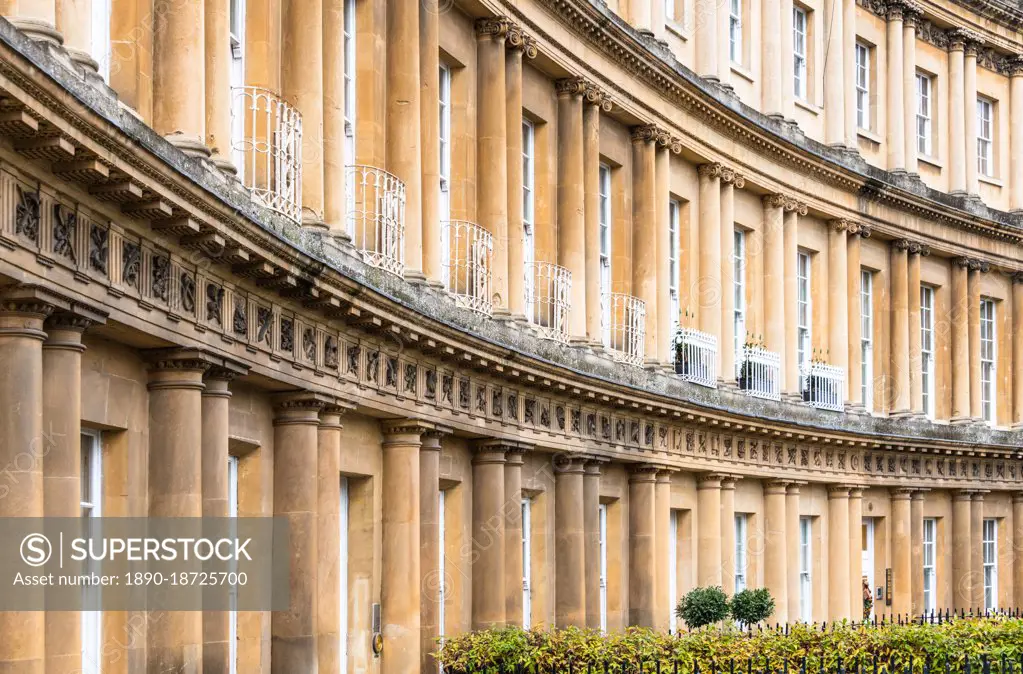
(758, 373)
(548, 288)
(468, 264)
(267, 148)
(624, 326)
(376, 216)
(695, 355)
(821, 386)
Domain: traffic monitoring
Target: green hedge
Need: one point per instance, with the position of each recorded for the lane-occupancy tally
(542, 649)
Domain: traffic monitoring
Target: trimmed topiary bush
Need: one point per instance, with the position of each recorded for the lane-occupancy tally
(752, 606)
(702, 606)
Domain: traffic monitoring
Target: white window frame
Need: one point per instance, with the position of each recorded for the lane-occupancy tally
(863, 85)
(669, 12)
(528, 194)
(527, 563)
(602, 548)
(232, 616)
(91, 509)
(806, 569)
(930, 567)
(672, 570)
(604, 218)
(989, 554)
(985, 136)
(739, 292)
(988, 360)
(735, 31)
(867, 339)
(674, 268)
(444, 142)
(349, 79)
(345, 526)
(101, 47)
(804, 313)
(741, 548)
(236, 39)
(800, 35)
(927, 348)
(924, 104)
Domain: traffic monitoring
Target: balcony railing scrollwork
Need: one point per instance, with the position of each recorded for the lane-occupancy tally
(376, 216)
(695, 355)
(822, 386)
(758, 373)
(267, 148)
(625, 327)
(468, 264)
(548, 288)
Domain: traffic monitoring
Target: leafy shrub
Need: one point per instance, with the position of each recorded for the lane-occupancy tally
(703, 606)
(751, 606)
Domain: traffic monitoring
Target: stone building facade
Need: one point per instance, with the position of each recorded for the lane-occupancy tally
(521, 311)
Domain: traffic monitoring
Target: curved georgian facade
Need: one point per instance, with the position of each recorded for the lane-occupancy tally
(542, 311)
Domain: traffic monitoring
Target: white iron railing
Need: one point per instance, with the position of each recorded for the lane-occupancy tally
(695, 356)
(267, 148)
(822, 386)
(376, 216)
(468, 264)
(625, 339)
(758, 373)
(548, 288)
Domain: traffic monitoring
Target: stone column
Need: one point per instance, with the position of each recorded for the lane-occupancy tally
(645, 258)
(591, 528)
(663, 332)
(1016, 133)
(328, 541)
(911, 15)
(429, 146)
(896, 95)
(792, 549)
(217, 39)
(838, 298)
(296, 496)
(492, 148)
(838, 548)
(708, 290)
(1017, 353)
(774, 276)
(513, 534)
(708, 534)
(962, 555)
(970, 102)
(856, 553)
(730, 180)
(174, 638)
(334, 161)
(977, 550)
(849, 49)
(36, 18)
(728, 534)
(216, 404)
(430, 552)
(400, 577)
(973, 331)
(74, 23)
(957, 112)
(570, 546)
(1017, 546)
(787, 75)
(899, 385)
(662, 541)
(776, 562)
(595, 103)
(772, 70)
(834, 74)
(403, 125)
(960, 342)
(916, 400)
(902, 553)
(916, 528)
(854, 373)
(642, 17)
(642, 546)
(517, 45)
(708, 56)
(61, 461)
(179, 77)
(488, 581)
(790, 361)
(571, 201)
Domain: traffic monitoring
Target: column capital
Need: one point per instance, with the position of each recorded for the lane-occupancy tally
(843, 225)
(901, 244)
(517, 40)
(594, 464)
(332, 413)
(1017, 277)
(776, 487)
(730, 176)
(776, 200)
(977, 495)
(594, 95)
(398, 427)
(643, 472)
(570, 86)
(569, 463)
(962, 39)
(491, 27)
(491, 450)
(856, 491)
(182, 358)
(228, 370)
(963, 262)
(793, 488)
(1017, 497)
(979, 265)
(838, 491)
(918, 494)
(728, 482)
(917, 248)
(431, 438)
(794, 205)
(962, 495)
(912, 13)
(64, 328)
(646, 133)
(31, 301)
(1014, 65)
(711, 170)
(664, 474)
(299, 408)
(712, 480)
(895, 10)
(901, 494)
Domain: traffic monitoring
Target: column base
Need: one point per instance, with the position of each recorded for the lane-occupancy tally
(415, 276)
(579, 342)
(83, 59)
(38, 30)
(190, 146)
(960, 421)
(901, 414)
(856, 408)
(225, 166)
(314, 221)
